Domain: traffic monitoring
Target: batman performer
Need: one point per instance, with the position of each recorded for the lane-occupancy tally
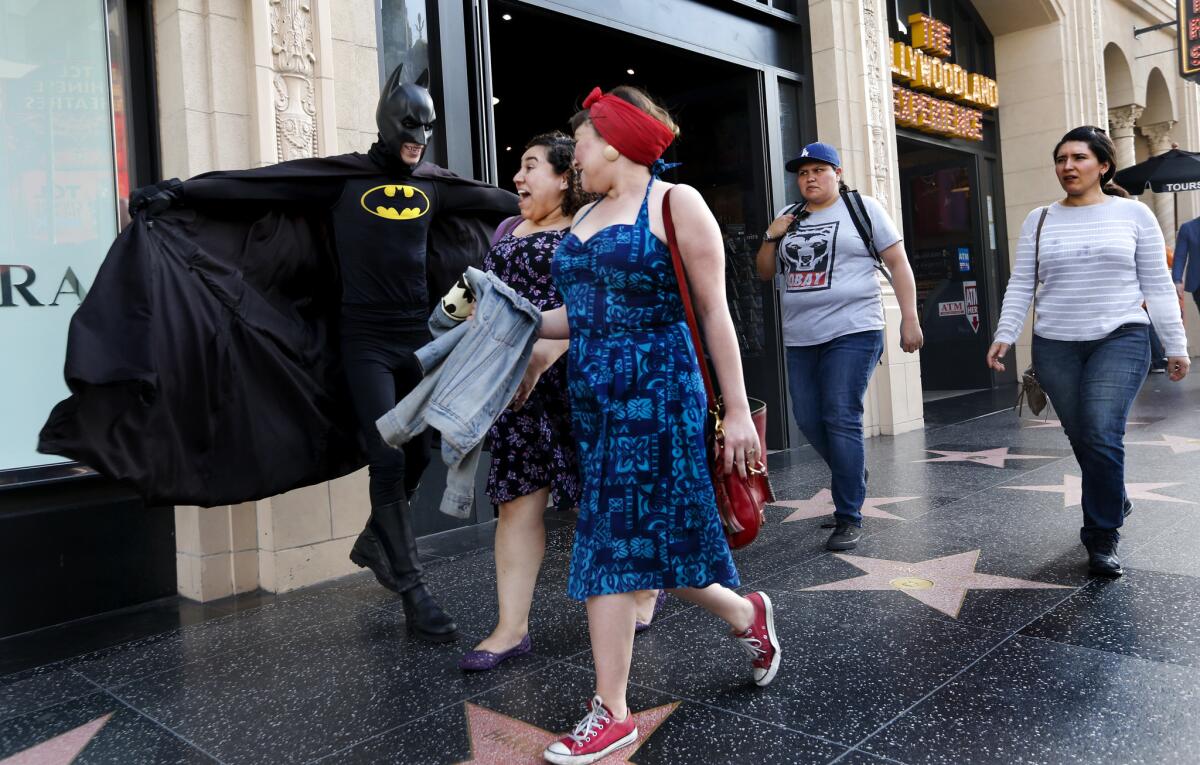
(247, 329)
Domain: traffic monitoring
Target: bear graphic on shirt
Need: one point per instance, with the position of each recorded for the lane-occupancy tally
(807, 254)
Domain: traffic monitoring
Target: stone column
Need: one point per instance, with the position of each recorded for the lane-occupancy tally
(854, 113)
(1159, 137)
(1121, 120)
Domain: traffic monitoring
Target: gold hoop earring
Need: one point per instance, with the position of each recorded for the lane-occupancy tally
(611, 154)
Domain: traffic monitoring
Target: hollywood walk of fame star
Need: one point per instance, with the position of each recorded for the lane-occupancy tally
(1177, 444)
(1036, 424)
(62, 749)
(992, 457)
(940, 583)
(1072, 491)
(497, 739)
(821, 505)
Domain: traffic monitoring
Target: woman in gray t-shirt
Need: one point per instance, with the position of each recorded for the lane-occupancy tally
(833, 320)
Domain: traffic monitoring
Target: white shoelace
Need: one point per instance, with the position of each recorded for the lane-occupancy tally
(592, 724)
(751, 645)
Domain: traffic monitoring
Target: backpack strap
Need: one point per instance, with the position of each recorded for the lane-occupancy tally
(862, 224)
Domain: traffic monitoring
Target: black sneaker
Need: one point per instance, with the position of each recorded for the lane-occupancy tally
(1127, 510)
(844, 537)
(1102, 556)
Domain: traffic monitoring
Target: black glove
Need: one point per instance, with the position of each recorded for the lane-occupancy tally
(155, 198)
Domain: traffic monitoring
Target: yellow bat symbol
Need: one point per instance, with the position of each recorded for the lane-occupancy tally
(381, 201)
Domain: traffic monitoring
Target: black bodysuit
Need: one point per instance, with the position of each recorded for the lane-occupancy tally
(381, 227)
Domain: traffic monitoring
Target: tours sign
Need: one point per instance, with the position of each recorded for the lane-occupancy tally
(941, 98)
(1188, 16)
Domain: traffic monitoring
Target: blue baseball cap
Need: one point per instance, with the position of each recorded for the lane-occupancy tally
(814, 152)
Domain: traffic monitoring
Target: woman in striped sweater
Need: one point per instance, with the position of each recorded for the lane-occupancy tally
(1098, 257)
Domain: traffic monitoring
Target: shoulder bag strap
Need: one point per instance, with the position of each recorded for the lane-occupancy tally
(506, 227)
(1037, 245)
(862, 224)
(686, 295)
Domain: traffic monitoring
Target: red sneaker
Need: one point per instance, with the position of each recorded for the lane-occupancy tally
(759, 640)
(595, 737)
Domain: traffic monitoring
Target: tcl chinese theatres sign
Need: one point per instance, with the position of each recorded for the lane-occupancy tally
(952, 100)
(1189, 38)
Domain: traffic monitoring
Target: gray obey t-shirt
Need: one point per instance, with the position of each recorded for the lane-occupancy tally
(827, 278)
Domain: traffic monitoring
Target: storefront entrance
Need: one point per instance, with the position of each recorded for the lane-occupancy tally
(950, 235)
(542, 66)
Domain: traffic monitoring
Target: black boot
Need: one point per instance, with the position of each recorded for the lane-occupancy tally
(422, 615)
(371, 549)
(425, 618)
(388, 547)
(1102, 553)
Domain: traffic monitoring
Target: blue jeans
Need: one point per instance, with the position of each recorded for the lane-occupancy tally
(1092, 385)
(827, 383)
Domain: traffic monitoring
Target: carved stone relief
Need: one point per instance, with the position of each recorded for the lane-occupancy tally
(878, 79)
(294, 61)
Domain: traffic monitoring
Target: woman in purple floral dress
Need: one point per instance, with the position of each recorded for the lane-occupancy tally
(532, 445)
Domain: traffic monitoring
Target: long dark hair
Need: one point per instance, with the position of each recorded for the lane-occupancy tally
(560, 153)
(1100, 145)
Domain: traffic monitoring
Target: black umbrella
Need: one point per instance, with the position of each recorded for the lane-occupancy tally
(1176, 170)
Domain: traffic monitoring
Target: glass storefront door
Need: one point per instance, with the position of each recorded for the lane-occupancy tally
(945, 244)
(721, 147)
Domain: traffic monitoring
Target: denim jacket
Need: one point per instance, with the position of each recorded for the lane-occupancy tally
(472, 369)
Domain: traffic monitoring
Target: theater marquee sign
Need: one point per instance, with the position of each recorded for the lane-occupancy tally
(941, 98)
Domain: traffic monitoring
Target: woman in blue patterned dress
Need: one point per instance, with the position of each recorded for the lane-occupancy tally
(647, 516)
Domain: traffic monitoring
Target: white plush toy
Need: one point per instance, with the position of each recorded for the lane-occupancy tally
(459, 302)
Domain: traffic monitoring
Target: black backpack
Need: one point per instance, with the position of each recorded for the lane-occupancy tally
(862, 224)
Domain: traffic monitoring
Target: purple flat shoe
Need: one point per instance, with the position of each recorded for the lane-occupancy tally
(643, 626)
(481, 661)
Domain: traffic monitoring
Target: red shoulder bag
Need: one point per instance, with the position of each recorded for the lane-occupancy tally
(740, 500)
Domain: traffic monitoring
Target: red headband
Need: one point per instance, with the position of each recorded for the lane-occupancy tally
(627, 128)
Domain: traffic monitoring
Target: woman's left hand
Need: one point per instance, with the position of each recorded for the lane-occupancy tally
(911, 336)
(741, 443)
(1177, 367)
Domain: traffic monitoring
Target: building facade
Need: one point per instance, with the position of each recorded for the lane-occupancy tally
(945, 110)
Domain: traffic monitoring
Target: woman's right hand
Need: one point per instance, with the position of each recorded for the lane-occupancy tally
(995, 353)
(780, 225)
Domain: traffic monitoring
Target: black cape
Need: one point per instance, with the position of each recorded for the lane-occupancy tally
(203, 364)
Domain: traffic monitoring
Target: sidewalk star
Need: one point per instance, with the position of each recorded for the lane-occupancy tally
(62, 749)
(940, 583)
(1177, 444)
(992, 457)
(821, 504)
(1072, 491)
(497, 739)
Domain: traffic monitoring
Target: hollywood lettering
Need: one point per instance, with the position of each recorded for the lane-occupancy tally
(17, 288)
(1188, 19)
(932, 94)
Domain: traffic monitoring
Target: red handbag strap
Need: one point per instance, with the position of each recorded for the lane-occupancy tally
(686, 295)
